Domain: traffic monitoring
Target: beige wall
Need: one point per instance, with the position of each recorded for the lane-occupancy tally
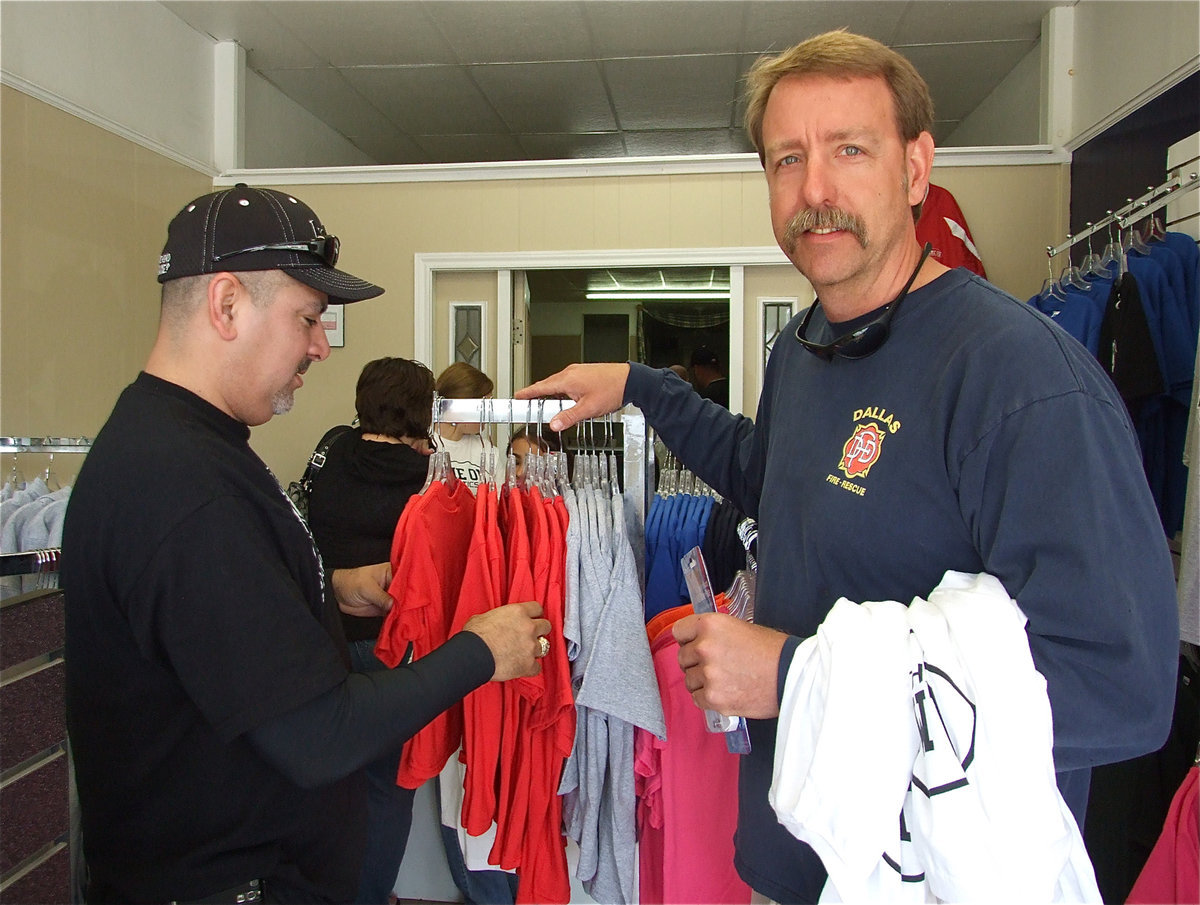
(473, 286)
(84, 218)
(85, 212)
(772, 281)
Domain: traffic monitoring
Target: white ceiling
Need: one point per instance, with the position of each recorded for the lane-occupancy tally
(456, 81)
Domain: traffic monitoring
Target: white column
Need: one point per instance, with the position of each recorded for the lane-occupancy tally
(229, 106)
(1058, 61)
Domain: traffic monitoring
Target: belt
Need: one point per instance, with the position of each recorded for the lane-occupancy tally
(250, 891)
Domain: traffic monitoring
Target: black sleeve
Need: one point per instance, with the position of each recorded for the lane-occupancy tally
(370, 713)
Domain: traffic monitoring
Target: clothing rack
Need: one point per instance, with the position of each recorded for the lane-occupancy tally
(638, 458)
(30, 562)
(45, 444)
(1134, 210)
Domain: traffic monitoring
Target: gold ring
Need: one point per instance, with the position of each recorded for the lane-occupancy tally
(543, 646)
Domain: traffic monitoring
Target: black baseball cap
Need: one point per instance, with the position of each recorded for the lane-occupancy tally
(245, 228)
(704, 356)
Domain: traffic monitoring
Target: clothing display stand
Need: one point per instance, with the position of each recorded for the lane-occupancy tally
(1134, 210)
(45, 444)
(38, 808)
(637, 452)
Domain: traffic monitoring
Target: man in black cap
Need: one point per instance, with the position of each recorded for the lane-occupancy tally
(216, 726)
(707, 376)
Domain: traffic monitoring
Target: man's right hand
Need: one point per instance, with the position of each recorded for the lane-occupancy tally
(512, 633)
(596, 388)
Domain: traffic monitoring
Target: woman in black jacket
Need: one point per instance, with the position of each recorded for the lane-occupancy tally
(357, 497)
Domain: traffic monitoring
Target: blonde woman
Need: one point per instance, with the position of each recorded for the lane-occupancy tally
(465, 441)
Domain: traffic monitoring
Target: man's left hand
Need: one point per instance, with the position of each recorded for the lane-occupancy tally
(730, 666)
(363, 591)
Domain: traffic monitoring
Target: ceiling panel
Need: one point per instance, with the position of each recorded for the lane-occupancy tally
(689, 142)
(572, 146)
(357, 34)
(947, 22)
(485, 31)
(268, 44)
(675, 92)
(469, 148)
(388, 145)
(536, 78)
(327, 95)
(547, 97)
(773, 26)
(428, 99)
(624, 28)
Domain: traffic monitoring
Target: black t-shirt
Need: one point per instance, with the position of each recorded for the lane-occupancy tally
(195, 612)
(356, 500)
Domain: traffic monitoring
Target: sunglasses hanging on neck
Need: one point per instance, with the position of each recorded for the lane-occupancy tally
(867, 339)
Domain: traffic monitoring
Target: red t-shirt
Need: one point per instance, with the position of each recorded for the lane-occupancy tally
(483, 709)
(543, 876)
(520, 587)
(429, 559)
(943, 225)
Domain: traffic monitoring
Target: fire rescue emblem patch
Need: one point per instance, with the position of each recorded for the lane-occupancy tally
(861, 451)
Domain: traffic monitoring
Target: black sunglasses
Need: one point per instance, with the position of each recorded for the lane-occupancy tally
(867, 339)
(324, 247)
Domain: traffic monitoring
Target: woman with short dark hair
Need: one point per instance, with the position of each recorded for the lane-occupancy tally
(369, 474)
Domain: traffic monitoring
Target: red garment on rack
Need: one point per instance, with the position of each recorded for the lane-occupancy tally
(429, 558)
(1172, 872)
(543, 875)
(943, 225)
(483, 708)
(517, 691)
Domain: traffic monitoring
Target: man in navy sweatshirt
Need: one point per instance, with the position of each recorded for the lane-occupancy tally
(914, 420)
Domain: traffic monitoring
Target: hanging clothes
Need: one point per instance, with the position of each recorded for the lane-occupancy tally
(429, 559)
(1142, 326)
(687, 793)
(1172, 873)
(615, 693)
(540, 758)
(943, 225)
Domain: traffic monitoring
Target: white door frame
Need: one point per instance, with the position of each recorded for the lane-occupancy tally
(427, 265)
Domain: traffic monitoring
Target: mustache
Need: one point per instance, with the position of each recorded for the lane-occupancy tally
(304, 366)
(824, 218)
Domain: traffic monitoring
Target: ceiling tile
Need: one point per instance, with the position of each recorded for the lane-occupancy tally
(687, 141)
(547, 97)
(572, 146)
(469, 148)
(427, 99)
(268, 45)
(387, 145)
(944, 23)
(327, 95)
(773, 26)
(622, 28)
(690, 92)
(349, 33)
(484, 31)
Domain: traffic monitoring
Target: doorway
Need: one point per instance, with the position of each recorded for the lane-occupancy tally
(654, 315)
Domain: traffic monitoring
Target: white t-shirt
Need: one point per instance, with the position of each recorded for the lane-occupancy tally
(466, 454)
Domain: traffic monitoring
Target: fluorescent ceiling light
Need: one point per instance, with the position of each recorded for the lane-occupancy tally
(634, 294)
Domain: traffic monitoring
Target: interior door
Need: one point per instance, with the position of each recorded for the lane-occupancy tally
(520, 339)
